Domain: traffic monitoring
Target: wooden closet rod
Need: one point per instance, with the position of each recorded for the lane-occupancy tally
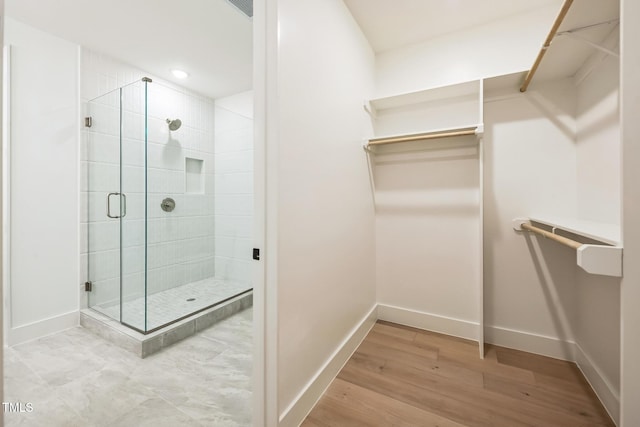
(547, 43)
(565, 241)
(421, 136)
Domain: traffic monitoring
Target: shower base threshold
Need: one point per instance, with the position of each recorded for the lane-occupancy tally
(144, 345)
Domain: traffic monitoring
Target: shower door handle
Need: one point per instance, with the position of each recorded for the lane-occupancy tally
(123, 201)
(123, 205)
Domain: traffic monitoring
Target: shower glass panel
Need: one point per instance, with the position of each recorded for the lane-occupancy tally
(133, 177)
(102, 162)
(154, 255)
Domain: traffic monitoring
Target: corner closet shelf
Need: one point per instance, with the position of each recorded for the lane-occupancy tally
(604, 258)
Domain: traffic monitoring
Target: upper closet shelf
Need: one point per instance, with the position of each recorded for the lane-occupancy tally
(581, 28)
(597, 258)
(447, 111)
(443, 93)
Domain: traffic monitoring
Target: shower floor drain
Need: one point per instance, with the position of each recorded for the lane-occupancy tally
(191, 299)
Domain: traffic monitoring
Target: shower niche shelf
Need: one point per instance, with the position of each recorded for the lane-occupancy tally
(194, 175)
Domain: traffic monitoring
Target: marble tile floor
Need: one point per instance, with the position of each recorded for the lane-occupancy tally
(75, 378)
(171, 304)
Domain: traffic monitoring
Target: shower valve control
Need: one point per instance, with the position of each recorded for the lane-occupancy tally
(168, 204)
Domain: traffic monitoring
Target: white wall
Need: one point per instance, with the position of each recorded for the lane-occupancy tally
(428, 234)
(234, 187)
(530, 167)
(630, 291)
(500, 47)
(325, 211)
(428, 261)
(597, 326)
(43, 183)
(598, 141)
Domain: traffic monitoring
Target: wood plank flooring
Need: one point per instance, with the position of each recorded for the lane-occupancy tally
(401, 376)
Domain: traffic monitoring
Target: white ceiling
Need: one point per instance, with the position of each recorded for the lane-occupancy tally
(390, 24)
(210, 39)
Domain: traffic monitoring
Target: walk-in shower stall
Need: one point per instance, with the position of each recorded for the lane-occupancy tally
(153, 208)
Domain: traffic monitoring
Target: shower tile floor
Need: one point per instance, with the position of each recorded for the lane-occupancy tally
(75, 378)
(167, 306)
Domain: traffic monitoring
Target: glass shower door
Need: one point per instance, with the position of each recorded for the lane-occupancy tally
(101, 160)
(116, 193)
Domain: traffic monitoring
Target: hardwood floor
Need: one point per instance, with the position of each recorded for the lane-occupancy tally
(401, 376)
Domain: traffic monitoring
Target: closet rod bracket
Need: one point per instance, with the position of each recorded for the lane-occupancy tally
(585, 40)
(603, 259)
(370, 110)
(365, 147)
(517, 223)
(599, 259)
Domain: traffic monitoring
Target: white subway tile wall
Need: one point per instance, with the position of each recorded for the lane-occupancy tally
(205, 166)
(233, 182)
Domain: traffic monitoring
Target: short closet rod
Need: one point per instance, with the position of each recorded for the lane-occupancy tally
(422, 136)
(547, 43)
(565, 241)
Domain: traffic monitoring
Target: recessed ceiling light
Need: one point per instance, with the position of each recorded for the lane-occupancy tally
(180, 74)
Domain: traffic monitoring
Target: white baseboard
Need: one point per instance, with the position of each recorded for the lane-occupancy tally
(300, 407)
(609, 397)
(42, 328)
(532, 343)
(430, 322)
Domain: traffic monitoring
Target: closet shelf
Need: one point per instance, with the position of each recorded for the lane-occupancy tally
(580, 27)
(443, 93)
(604, 258)
(600, 231)
(445, 133)
(426, 114)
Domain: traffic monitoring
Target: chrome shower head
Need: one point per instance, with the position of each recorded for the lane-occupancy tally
(174, 124)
